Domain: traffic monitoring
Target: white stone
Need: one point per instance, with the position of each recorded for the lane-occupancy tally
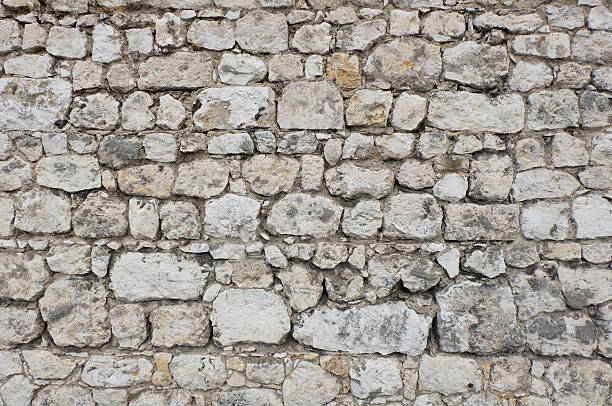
(31, 66)
(72, 173)
(203, 178)
(231, 143)
(113, 372)
(349, 181)
(232, 216)
(69, 259)
(451, 188)
(241, 69)
(309, 385)
(41, 211)
(262, 32)
(17, 391)
(194, 371)
(215, 35)
(22, 276)
(310, 105)
(135, 113)
(99, 111)
(546, 221)
(550, 109)
(542, 183)
(449, 374)
(409, 111)
(449, 260)
(360, 35)
(313, 39)
(67, 43)
(527, 76)
(170, 31)
(412, 216)
(552, 46)
(364, 220)
(375, 376)
(107, 44)
(171, 113)
(302, 285)
(44, 364)
(140, 42)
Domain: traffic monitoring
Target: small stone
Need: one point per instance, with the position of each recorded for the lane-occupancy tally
(151, 180)
(438, 374)
(179, 220)
(262, 32)
(304, 214)
(358, 146)
(160, 147)
(100, 216)
(116, 151)
(451, 188)
(181, 70)
(342, 16)
(565, 334)
(214, 35)
(568, 151)
(120, 78)
(177, 397)
(275, 257)
(170, 31)
(19, 325)
(140, 42)
(416, 175)
(7, 215)
(442, 26)
(319, 103)
(99, 111)
(328, 255)
(349, 181)
(599, 18)
(579, 380)
(552, 46)
(595, 109)
(284, 67)
(69, 259)
(542, 183)
(234, 108)
(31, 66)
(55, 143)
(265, 142)
(487, 261)
(312, 172)
(302, 285)
(546, 221)
(241, 69)
(364, 220)
(573, 75)
(520, 23)
(529, 154)
(46, 365)
(449, 260)
(135, 113)
(313, 68)
(149, 276)
(395, 146)
(380, 376)
(129, 325)
(232, 216)
(107, 44)
(369, 108)
(194, 371)
(601, 153)
(412, 216)
(110, 397)
(313, 39)
(251, 273)
(569, 17)
(360, 35)
(66, 42)
(181, 324)
(409, 111)
(309, 384)
(491, 177)
(202, 178)
(344, 70)
(42, 211)
(299, 142)
(527, 76)
(11, 36)
(252, 315)
(252, 396)
(403, 22)
(22, 276)
(266, 371)
(34, 37)
(603, 318)
(602, 78)
(72, 173)
(64, 300)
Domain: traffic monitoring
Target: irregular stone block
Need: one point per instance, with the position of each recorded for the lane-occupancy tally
(349, 181)
(22, 275)
(202, 178)
(19, 325)
(309, 384)
(566, 334)
(114, 372)
(310, 106)
(181, 324)
(181, 70)
(542, 183)
(100, 216)
(262, 32)
(42, 211)
(147, 180)
(449, 374)
(71, 173)
(584, 285)
(412, 216)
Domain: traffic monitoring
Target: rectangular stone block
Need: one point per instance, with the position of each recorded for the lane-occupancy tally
(470, 222)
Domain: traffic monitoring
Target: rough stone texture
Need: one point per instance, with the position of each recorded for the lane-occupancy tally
(418, 191)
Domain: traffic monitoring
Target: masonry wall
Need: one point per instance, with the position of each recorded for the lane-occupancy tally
(305, 202)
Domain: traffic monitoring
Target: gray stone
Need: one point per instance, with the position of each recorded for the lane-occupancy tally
(510, 373)
(384, 328)
(595, 109)
(73, 308)
(22, 276)
(313, 39)
(181, 324)
(116, 151)
(67, 42)
(135, 113)
(252, 315)
(229, 108)
(603, 319)
(319, 104)
(173, 397)
(312, 172)
(573, 75)
(160, 147)
(396, 145)
(364, 220)
(42, 211)
(465, 111)
(520, 23)
(542, 183)
(404, 22)
(536, 292)
(602, 78)
(591, 47)
(309, 385)
(304, 214)
(215, 35)
(565, 334)
(412, 216)
(551, 109)
(349, 181)
(451, 188)
(140, 42)
(302, 285)
(344, 285)
(72, 173)
(474, 64)
(546, 221)
(359, 36)
(112, 372)
(584, 285)
(33, 104)
(241, 69)
(194, 371)
(329, 255)
(601, 153)
(179, 220)
(421, 72)
(568, 151)
(69, 259)
(468, 222)
(129, 325)
(552, 46)
(375, 376)
(17, 391)
(202, 178)
(487, 261)
(569, 17)
(465, 324)
(262, 32)
(99, 111)
(416, 175)
(19, 325)
(285, 67)
(147, 180)
(491, 178)
(582, 381)
(31, 66)
(181, 70)
(250, 273)
(231, 143)
(358, 146)
(100, 216)
(7, 215)
(232, 216)
(171, 114)
(266, 370)
(144, 218)
(140, 276)
(120, 78)
(249, 396)
(440, 373)
(47, 365)
(11, 36)
(59, 395)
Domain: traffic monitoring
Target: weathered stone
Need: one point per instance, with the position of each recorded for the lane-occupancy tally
(181, 324)
(234, 108)
(603, 319)
(252, 315)
(22, 275)
(319, 105)
(416, 175)
(602, 78)
(42, 211)
(269, 175)
(441, 374)
(170, 31)
(302, 285)
(359, 36)
(409, 111)
(404, 22)
(566, 334)
(468, 222)
(174, 397)
(31, 66)
(553, 46)
(17, 391)
(107, 44)
(311, 172)
(595, 109)
(11, 36)
(412, 216)
(262, 32)
(591, 47)
(416, 274)
(369, 108)
(584, 285)
(491, 178)
(593, 216)
(67, 42)
(550, 109)
(568, 151)
(465, 111)
(99, 216)
(348, 181)
(304, 214)
(383, 328)
(181, 70)
(466, 324)
(203, 178)
(99, 111)
(74, 310)
(34, 34)
(344, 70)
(387, 64)
(451, 188)
(129, 325)
(113, 372)
(265, 370)
(536, 292)
(579, 381)
(231, 143)
(542, 183)
(19, 325)
(46, 365)
(527, 76)
(135, 113)
(194, 371)
(59, 395)
(443, 26)
(241, 69)
(147, 180)
(69, 259)
(144, 218)
(375, 376)
(309, 385)
(249, 396)
(179, 220)
(140, 42)
(487, 261)
(524, 23)
(232, 216)
(358, 146)
(71, 173)
(313, 39)
(171, 113)
(449, 260)
(546, 221)
(364, 220)
(116, 151)
(139, 277)
(33, 104)
(212, 35)
(285, 67)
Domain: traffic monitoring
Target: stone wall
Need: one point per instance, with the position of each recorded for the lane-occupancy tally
(305, 202)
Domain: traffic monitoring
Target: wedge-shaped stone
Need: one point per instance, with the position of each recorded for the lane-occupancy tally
(412, 216)
(137, 277)
(383, 328)
(304, 214)
(71, 173)
(465, 111)
(108, 371)
(33, 105)
(525, 23)
(542, 183)
(235, 107)
(466, 324)
(310, 106)
(180, 70)
(348, 181)
(250, 315)
(22, 275)
(566, 334)
(584, 285)
(470, 222)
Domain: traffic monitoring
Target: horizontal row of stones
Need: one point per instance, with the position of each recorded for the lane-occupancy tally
(297, 379)
(562, 308)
